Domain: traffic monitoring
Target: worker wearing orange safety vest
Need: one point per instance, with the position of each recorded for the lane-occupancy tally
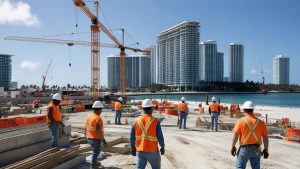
(145, 135)
(214, 111)
(183, 110)
(54, 119)
(250, 130)
(95, 132)
(118, 109)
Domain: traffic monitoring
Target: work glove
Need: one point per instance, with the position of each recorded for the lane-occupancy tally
(162, 151)
(104, 142)
(265, 153)
(133, 151)
(233, 151)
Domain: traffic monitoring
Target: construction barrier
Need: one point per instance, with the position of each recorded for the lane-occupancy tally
(66, 102)
(22, 121)
(173, 112)
(292, 134)
(80, 108)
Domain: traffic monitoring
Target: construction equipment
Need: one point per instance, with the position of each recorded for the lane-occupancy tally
(96, 26)
(44, 76)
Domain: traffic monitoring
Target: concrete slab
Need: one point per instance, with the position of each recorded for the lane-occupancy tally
(15, 155)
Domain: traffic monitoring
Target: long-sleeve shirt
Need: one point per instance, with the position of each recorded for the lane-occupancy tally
(159, 134)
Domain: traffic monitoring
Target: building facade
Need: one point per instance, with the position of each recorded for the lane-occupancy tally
(220, 67)
(281, 70)
(211, 62)
(137, 71)
(5, 71)
(153, 64)
(178, 55)
(236, 62)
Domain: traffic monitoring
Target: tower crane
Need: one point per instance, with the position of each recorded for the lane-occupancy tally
(96, 26)
(72, 43)
(44, 76)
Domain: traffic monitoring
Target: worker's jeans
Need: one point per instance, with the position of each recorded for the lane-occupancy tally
(152, 158)
(96, 146)
(244, 155)
(118, 117)
(55, 134)
(214, 120)
(182, 119)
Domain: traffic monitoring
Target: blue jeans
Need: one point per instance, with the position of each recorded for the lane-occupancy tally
(248, 153)
(153, 158)
(96, 147)
(182, 119)
(118, 117)
(214, 120)
(55, 134)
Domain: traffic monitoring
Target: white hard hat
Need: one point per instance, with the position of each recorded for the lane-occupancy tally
(182, 99)
(56, 96)
(97, 104)
(248, 105)
(120, 99)
(147, 103)
(213, 99)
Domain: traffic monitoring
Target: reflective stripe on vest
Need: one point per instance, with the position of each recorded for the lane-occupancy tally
(145, 129)
(251, 132)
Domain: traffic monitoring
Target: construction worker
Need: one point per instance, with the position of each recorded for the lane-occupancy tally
(214, 111)
(95, 132)
(183, 109)
(54, 118)
(249, 130)
(145, 135)
(118, 109)
(9, 104)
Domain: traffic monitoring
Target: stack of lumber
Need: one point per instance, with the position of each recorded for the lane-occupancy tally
(18, 143)
(50, 158)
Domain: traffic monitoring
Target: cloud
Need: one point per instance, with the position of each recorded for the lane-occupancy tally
(253, 71)
(29, 65)
(17, 13)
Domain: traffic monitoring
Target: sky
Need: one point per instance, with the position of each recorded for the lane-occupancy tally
(266, 28)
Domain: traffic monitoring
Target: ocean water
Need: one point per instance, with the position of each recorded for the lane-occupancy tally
(270, 99)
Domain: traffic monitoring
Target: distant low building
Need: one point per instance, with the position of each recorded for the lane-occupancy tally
(5, 71)
(14, 85)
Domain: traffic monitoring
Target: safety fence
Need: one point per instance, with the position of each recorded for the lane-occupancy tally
(22, 121)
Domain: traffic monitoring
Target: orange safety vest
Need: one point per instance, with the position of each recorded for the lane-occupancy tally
(56, 115)
(118, 106)
(91, 123)
(182, 107)
(251, 131)
(145, 133)
(214, 107)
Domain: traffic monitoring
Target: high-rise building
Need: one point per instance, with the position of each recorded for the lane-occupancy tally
(178, 55)
(236, 62)
(220, 67)
(5, 71)
(153, 64)
(211, 63)
(137, 71)
(281, 70)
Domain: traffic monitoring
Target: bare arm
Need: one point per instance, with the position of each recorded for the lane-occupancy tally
(235, 139)
(50, 114)
(266, 142)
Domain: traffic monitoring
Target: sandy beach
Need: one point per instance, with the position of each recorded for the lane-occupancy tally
(198, 147)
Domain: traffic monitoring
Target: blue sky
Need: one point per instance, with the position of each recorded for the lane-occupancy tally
(266, 28)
